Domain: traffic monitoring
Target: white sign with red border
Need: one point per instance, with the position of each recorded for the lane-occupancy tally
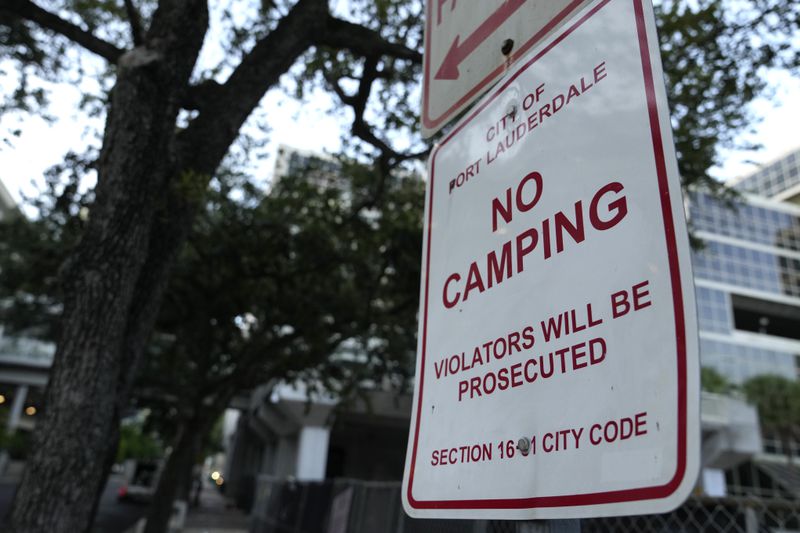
(464, 52)
(557, 368)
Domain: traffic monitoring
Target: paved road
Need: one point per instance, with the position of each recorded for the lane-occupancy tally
(112, 517)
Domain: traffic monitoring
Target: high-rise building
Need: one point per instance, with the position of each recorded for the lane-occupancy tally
(778, 180)
(747, 276)
(24, 365)
(7, 205)
(747, 279)
(311, 165)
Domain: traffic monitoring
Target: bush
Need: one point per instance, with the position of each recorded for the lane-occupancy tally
(16, 444)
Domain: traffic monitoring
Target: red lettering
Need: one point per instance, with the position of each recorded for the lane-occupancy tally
(522, 251)
(474, 280)
(528, 339)
(502, 378)
(618, 207)
(448, 303)
(575, 231)
(619, 304)
(577, 354)
(463, 386)
(614, 431)
(521, 204)
(595, 357)
(516, 375)
(592, 439)
(640, 424)
(530, 378)
(486, 388)
(502, 270)
(503, 210)
(545, 447)
(513, 342)
(639, 294)
(474, 387)
(600, 72)
(625, 428)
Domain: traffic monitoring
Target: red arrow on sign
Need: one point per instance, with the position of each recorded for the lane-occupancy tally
(457, 53)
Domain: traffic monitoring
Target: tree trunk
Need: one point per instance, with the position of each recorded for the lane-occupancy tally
(114, 280)
(108, 463)
(177, 470)
(66, 469)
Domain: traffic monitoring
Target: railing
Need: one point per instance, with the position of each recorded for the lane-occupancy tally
(351, 506)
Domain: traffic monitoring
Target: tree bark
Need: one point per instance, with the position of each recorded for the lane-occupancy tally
(177, 470)
(67, 468)
(108, 463)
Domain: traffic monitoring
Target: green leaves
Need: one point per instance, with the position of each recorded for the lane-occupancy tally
(713, 381)
(317, 280)
(777, 400)
(33, 251)
(716, 55)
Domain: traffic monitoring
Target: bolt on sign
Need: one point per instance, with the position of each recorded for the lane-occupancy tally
(557, 367)
(470, 44)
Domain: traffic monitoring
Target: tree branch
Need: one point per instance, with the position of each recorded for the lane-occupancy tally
(28, 10)
(201, 95)
(389, 157)
(135, 21)
(206, 141)
(369, 44)
(363, 41)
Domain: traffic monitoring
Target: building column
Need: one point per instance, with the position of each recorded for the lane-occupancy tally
(312, 453)
(285, 458)
(16, 408)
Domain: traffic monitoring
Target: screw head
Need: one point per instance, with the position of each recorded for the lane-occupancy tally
(507, 46)
(524, 445)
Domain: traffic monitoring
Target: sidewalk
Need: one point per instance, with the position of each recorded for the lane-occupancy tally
(215, 515)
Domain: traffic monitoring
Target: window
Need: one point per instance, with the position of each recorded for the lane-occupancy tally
(768, 318)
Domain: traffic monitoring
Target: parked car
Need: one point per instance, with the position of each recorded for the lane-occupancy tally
(141, 479)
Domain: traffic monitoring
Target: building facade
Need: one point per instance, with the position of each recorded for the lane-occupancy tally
(778, 180)
(747, 279)
(24, 368)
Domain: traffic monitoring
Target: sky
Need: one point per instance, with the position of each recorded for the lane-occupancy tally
(308, 126)
(777, 130)
(42, 144)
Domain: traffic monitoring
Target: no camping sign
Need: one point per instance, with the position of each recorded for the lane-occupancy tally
(557, 367)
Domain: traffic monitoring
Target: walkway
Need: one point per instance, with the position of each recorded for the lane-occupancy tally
(215, 515)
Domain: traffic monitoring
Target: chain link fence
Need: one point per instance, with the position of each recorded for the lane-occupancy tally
(349, 506)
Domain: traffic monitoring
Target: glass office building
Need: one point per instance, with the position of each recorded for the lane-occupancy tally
(747, 277)
(779, 180)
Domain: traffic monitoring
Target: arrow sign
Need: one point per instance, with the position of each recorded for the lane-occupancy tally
(458, 52)
(463, 55)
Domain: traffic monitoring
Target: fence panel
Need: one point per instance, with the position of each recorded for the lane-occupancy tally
(350, 506)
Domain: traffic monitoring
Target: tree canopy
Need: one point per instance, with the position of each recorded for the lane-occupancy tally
(777, 399)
